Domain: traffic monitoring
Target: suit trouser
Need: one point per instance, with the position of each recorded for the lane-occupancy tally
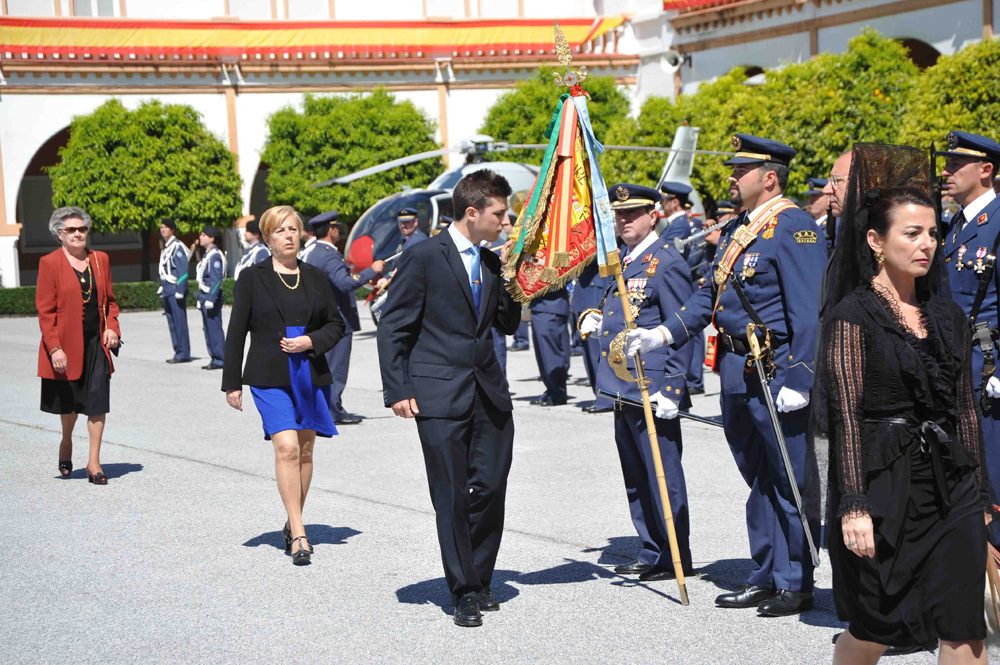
(550, 336)
(778, 543)
(521, 335)
(339, 360)
(696, 371)
(500, 348)
(177, 323)
(215, 338)
(643, 490)
(592, 356)
(467, 461)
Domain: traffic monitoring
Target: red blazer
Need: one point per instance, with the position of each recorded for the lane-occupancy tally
(60, 311)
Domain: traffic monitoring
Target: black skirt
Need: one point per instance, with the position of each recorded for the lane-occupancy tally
(926, 582)
(89, 395)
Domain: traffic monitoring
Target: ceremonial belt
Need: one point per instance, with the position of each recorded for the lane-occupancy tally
(936, 444)
(743, 237)
(982, 335)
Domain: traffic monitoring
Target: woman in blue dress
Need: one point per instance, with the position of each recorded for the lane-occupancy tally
(287, 307)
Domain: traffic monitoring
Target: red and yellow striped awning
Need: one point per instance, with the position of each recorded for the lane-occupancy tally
(137, 38)
(698, 4)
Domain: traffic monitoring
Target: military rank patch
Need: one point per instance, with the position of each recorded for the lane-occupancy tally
(982, 219)
(651, 269)
(805, 237)
(646, 258)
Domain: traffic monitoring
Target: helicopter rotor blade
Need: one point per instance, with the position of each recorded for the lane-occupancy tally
(385, 166)
(500, 147)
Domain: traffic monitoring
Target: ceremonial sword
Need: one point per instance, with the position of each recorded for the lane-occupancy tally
(757, 355)
(621, 399)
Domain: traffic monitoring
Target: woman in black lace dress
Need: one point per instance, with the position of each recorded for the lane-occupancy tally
(907, 490)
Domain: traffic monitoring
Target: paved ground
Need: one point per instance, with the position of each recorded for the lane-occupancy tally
(179, 558)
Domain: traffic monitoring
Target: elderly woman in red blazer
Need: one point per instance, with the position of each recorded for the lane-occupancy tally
(78, 315)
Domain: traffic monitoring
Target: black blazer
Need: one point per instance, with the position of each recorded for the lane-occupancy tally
(432, 346)
(255, 310)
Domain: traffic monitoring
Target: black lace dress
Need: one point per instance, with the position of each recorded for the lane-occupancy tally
(906, 447)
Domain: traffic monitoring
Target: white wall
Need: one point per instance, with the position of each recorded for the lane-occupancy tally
(175, 9)
(389, 10)
(31, 8)
(707, 65)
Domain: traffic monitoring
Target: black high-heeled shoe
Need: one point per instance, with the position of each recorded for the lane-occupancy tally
(286, 533)
(304, 556)
(65, 467)
(99, 479)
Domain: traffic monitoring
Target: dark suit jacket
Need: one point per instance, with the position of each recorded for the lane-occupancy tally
(60, 311)
(432, 346)
(255, 311)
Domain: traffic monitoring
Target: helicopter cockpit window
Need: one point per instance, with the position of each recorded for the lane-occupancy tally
(379, 222)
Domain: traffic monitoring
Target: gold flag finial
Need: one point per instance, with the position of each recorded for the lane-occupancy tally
(569, 78)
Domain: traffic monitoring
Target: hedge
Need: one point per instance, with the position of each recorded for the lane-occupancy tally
(131, 296)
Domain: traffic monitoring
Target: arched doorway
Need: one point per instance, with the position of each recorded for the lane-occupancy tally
(921, 53)
(755, 75)
(34, 208)
(259, 196)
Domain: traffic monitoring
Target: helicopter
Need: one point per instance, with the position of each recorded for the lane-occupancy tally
(376, 234)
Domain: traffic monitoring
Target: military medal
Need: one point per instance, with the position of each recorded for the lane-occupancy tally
(769, 229)
(651, 270)
(749, 265)
(980, 255)
(961, 252)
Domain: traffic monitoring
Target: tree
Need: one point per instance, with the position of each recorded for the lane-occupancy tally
(130, 169)
(340, 134)
(959, 92)
(522, 115)
(820, 107)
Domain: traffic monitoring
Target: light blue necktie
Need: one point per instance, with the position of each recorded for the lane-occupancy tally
(474, 278)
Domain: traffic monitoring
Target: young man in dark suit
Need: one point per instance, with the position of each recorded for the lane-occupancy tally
(438, 365)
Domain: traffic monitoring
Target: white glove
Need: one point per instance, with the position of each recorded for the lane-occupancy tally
(591, 324)
(209, 305)
(665, 407)
(197, 304)
(790, 400)
(159, 290)
(179, 296)
(642, 340)
(993, 387)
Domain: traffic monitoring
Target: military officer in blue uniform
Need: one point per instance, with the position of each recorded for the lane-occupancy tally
(773, 254)
(658, 281)
(588, 295)
(972, 238)
(677, 224)
(256, 252)
(817, 201)
(211, 271)
(174, 260)
(325, 255)
(550, 337)
(407, 220)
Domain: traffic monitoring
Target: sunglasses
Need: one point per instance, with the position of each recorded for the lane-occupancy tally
(69, 230)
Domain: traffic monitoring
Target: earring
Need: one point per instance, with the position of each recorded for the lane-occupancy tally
(880, 259)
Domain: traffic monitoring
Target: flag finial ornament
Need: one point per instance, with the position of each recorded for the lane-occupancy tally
(570, 77)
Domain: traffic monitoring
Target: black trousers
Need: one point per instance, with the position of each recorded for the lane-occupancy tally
(467, 462)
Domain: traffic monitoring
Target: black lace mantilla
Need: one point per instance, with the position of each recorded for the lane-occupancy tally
(878, 368)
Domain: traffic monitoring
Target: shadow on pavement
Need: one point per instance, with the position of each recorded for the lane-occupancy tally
(112, 471)
(435, 591)
(619, 550)
(318, 534)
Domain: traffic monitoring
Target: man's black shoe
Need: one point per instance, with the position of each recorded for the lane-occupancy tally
(174, 361)
(517, 347)
(348, 419)
(632, 568)
(592, 408)
(488, 602)
(696, 391)
(659, 573)
(545, 400)
(211, 366)
(467, 612)
(576, 352)
(748, 596)
(785, 603)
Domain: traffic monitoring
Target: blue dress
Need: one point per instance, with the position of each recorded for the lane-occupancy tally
(301, 405)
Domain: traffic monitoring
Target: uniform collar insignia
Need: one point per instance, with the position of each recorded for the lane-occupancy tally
(982, 219)
(646, 258)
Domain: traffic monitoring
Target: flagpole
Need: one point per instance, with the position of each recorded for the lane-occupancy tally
(654, 444)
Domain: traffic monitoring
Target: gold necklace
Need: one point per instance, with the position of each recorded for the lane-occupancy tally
(90, 288)
(298, 277)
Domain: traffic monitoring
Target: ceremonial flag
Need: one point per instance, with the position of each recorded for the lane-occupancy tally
(568, 218)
